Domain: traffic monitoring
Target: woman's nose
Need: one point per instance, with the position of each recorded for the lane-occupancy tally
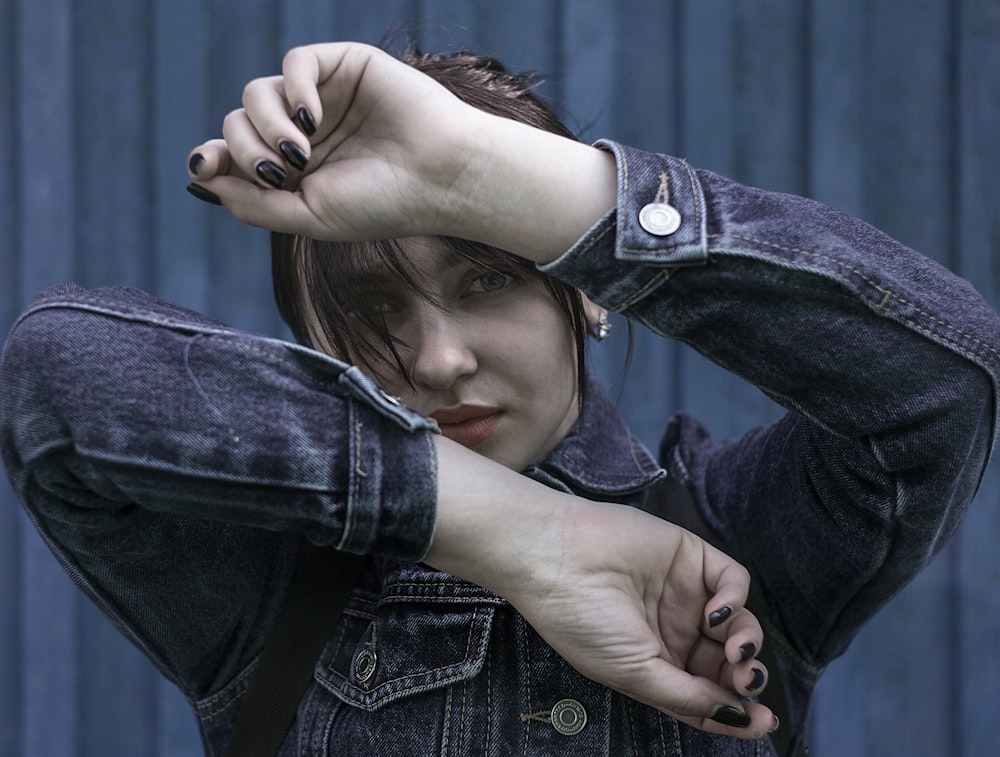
(442, 351)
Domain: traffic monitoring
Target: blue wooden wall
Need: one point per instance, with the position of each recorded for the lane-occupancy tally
(889, 109)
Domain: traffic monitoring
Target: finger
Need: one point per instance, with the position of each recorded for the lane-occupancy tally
(250, 153)
(212, 159)
(277, 211)
(746, 677)
(725, 579)
(271, 116)
(700, 702)
(741, 634)
(300, 78)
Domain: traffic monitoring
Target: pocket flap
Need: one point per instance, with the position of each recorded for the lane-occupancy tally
(426, 630)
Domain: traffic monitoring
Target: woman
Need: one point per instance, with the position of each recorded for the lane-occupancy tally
(177, 478)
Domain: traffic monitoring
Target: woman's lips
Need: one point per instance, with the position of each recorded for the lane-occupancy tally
(467, 424)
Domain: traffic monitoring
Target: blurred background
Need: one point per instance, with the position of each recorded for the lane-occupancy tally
(888, 109)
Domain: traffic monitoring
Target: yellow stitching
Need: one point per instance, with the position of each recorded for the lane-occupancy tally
(631, 725)
(358, 470)
(489, 700)
(542, 716)
(664, 274)
(663, 193)
(694, 191)
(523, 626)
(675, 727)
(593, 242)
(887, 294)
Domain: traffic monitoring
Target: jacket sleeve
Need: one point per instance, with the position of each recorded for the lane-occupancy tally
(887, 364)
(173, 465)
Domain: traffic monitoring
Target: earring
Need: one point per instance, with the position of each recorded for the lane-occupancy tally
(603, 328)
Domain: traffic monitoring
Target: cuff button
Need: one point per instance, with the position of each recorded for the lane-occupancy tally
(659, 219)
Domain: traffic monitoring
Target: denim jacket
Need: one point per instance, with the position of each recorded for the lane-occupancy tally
(175, 465)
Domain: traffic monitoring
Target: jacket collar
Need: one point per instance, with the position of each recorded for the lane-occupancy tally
(599, 458)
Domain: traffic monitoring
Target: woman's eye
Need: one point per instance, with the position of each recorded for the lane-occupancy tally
(492, 281)
(375, 306)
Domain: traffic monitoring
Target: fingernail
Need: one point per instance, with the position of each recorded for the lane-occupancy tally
(731, 716)
(777, 724)
(756, 679)
(719, 616)
(306, 121)
(203, 194)
(271, 173)
(293, 154)
(195, 163)
(747, 651)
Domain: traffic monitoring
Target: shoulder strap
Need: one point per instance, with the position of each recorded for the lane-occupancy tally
(323, 581)
(670, 500)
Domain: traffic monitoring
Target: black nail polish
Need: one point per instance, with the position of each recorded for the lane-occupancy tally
(731, 716)
(306, 121)
(756, 679)
(271, 173)
(293, 154)
(195, 162)
(747, 651)
(203, 194)
(719, 616)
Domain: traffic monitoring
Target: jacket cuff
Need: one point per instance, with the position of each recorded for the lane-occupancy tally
(658, 223)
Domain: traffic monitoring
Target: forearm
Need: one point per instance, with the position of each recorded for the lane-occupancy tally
(116, 401)
(530, 192)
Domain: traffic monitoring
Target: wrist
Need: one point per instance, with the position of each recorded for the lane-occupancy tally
(495, 528)
(528, 191)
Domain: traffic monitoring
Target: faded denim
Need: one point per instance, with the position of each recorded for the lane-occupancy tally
(174, 465)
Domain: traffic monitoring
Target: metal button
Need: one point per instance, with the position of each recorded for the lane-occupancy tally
(364, 665)
(568, 717)
(660, 219)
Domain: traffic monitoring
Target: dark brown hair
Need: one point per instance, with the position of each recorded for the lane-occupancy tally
(317, 284)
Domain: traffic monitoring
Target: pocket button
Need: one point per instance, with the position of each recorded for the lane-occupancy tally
(364, 665)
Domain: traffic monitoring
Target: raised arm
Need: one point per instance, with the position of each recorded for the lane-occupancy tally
(394, 154)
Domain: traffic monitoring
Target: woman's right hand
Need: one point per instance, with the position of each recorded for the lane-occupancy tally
(395, 154)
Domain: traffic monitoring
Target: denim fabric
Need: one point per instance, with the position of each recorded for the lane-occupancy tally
(174, 466)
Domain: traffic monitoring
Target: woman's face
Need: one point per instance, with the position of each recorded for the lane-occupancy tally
(491, 355)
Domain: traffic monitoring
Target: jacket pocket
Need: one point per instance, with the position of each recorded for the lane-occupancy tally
(426, 630)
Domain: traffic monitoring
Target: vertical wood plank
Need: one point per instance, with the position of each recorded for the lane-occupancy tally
(112, 146)
(976, 255)
(526, 36)
(11, 653)
(835, 119)
(710, 138)
(646, 102)
(180, 119)
(45, 251)
(904, 81)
